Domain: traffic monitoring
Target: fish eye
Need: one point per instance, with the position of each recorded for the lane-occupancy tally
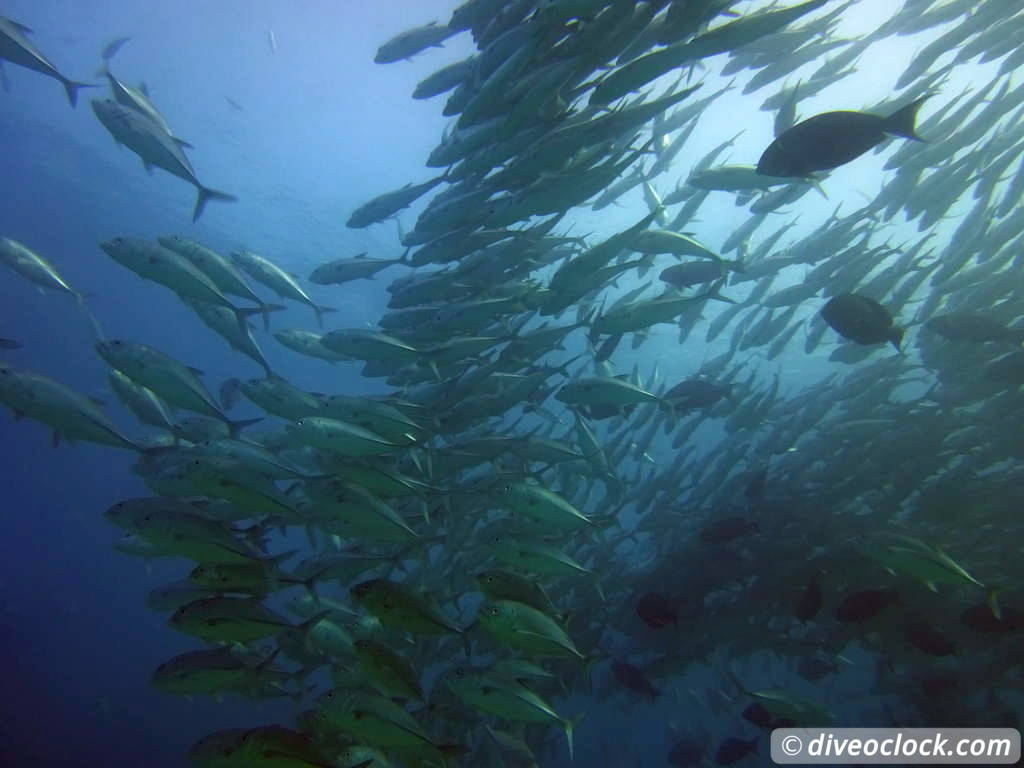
(460, 672)
(494, 610)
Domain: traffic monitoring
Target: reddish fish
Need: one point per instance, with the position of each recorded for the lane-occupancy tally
(859, 607)
(634, 678)
(656, 610)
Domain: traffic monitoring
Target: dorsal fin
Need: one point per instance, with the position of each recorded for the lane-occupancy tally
(144, 89)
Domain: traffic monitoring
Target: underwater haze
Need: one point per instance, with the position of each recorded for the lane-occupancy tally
(513, 382)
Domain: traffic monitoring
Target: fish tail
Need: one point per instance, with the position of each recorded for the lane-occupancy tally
(320, 312)
(71, 88)
(896, 338)
(714, 294)
(97, 329)
(569, 726)
(235, 427)
(205, 195)
(902, 122)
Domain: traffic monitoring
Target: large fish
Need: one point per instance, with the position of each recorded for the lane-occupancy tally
(135, 98)
(861, 319)
(265, 271)
(70, 415)
(832, 139)
(18, 49)
(155, 147)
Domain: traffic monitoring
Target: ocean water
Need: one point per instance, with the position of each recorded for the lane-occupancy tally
(321, 130)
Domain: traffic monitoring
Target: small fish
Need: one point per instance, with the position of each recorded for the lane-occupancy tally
(928, 640)
(809, 604)
(633, 678)
(754, 489)
(832, 139)
(733, 749)
(272, 40)
(859, 607)
(686, 753)
(234, 104)
(407, 44)
(981, 619)
(756, 713)
(656, 611)
(727, 529)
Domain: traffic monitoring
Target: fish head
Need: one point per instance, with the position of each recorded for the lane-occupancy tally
(104, 109)
(364, 589)
(169, 241)
(114, 247)
(112, 350)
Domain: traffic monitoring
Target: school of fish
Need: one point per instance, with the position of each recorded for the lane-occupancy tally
(514, 523)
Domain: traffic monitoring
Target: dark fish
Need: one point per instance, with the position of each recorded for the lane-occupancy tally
(862, 606)
(755, 485)
(732, 750)
(234, 104)
(599, 412)
(970, 326)
(758, 715)
(686, 753)
(809, 604)
(815, 668)
(981, 619)
(939, 685)
(928, 640)
(633, 677)
(726, 530)
(9, 344)
(829, 140)
(1008, 369)
(230, 392)
(692, 273)
(861, 319)
(656, 610)
(695, 393)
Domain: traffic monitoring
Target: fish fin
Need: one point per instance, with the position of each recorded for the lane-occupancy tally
(148, 166)
(320, 311)
(21, 27)
(144, 90)
(72, 88)
(234, 427)
(902, 121)
(113, 47)
(205, 195)
(993, 603)
(55, 439)
(182, 143)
